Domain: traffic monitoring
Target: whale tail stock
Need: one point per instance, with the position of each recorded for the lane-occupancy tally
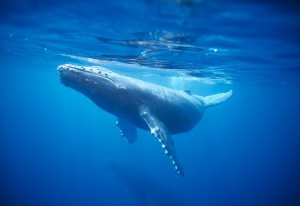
(215, 99)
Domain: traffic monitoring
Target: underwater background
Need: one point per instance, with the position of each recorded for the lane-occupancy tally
(58, 148)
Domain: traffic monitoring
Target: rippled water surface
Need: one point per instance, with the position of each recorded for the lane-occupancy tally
(54, 142)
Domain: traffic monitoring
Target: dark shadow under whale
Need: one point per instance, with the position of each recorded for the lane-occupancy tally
(161, 110)
(147, 190)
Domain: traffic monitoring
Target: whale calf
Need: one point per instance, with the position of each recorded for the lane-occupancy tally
(139, 104)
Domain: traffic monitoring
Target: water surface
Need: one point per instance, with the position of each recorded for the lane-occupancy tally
(54, 142)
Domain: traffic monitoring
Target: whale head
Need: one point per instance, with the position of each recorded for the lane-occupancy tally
(95, 82)
(71, 75)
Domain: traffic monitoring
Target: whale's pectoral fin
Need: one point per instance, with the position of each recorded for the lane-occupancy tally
(127, 130)
(159, 130)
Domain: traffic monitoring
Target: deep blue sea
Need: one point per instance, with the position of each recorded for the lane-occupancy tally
(58, 148)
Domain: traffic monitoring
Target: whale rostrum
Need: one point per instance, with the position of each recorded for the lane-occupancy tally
(139, 104)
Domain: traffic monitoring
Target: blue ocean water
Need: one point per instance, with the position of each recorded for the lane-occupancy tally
(59, 148)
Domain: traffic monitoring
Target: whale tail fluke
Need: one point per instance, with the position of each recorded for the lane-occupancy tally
(215, 99)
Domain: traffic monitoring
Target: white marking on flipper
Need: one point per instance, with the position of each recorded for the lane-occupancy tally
(127, 130)
(158, 129)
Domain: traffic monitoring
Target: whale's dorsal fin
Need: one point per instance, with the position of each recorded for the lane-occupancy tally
(187, 91)
(159, 130)
(127, 130)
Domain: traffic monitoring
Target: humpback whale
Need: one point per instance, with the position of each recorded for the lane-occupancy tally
(139, 104)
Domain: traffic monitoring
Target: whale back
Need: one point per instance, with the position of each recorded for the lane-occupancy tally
(178, 110)
(162, 111)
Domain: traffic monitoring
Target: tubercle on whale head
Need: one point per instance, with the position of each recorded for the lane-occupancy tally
(84, 77)
(67, 69)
